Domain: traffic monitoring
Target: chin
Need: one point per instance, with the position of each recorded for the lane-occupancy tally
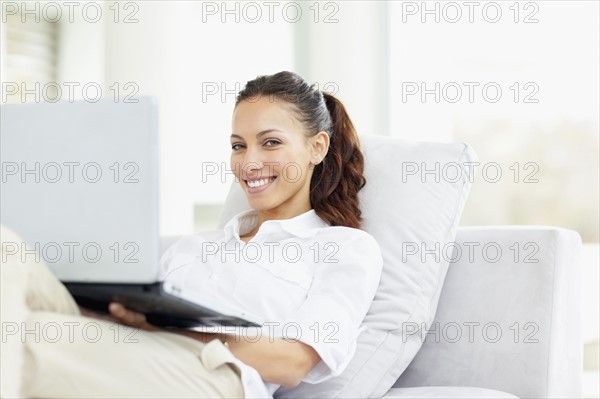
(260, 207)
(257, 205)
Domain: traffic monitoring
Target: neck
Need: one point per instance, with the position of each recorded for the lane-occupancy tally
(279, 214)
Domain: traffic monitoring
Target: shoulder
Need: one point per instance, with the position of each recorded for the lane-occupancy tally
(353, 245)
(350, 255)
(350, 236)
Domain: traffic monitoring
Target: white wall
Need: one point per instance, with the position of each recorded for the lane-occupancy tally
(552, 44)
(349, 51)
(81, 52)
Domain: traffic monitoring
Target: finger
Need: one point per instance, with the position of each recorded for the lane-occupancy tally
(86, 312)
(127, 316)
(95, 315)
(116, 309)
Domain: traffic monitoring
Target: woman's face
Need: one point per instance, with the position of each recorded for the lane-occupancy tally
(271, 152)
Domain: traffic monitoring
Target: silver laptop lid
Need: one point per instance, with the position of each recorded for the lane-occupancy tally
(80, 185)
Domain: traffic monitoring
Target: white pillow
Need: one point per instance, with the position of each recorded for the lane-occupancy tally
(406, 210)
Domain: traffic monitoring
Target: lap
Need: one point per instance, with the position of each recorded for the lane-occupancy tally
(55, 352)
(76, 356)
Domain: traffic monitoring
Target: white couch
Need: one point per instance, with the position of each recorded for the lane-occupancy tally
(545, 358)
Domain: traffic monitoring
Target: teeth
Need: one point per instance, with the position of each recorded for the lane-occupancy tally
(259, 183)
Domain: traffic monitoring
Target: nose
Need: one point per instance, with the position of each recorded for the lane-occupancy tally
(252, 162)
(251, 168)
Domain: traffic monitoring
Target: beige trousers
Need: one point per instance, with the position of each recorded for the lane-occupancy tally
(49, 350)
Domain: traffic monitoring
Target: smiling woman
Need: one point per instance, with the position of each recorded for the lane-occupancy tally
(274, 165)
(296, 154)
(284, 127)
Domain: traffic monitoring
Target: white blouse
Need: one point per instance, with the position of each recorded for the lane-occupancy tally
(309, 281)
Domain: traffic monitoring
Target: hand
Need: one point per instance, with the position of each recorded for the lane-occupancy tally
(130, 318)
(119, 314)
(90, 313)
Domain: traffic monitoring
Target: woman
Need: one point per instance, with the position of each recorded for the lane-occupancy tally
(296, 155)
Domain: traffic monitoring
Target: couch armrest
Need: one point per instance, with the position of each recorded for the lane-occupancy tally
(509, 315)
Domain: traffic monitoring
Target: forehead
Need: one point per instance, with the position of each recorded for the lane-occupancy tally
(251, 116)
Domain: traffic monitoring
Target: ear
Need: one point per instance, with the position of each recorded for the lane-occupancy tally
(319, 146)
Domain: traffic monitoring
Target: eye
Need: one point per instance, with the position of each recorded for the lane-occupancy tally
(272, 141)
(234, 147)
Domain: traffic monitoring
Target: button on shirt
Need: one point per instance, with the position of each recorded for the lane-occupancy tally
(307, 280)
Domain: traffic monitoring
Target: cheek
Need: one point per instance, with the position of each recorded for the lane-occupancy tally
(301, 166)
(293, 172)
(235, 166)
(284, 165)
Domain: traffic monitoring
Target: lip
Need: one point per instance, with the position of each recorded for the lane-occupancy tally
(255, 190)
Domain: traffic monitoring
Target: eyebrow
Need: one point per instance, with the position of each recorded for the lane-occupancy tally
(258, 134)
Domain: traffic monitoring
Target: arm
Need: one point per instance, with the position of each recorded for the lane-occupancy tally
(278, 361)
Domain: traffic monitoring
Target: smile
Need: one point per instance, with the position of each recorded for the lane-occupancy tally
(259, 185)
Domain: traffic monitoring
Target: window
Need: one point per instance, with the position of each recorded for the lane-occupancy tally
(29, 56)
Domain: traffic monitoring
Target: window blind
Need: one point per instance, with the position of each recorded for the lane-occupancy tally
(29, 53)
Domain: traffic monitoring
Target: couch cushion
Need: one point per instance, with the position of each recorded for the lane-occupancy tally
(446, 393)
(407, 211)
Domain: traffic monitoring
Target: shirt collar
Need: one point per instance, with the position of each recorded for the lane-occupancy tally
(304, 225)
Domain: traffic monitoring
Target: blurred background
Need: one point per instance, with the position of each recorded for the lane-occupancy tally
(518, 81)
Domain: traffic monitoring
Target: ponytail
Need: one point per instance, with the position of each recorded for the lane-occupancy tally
(336, 181)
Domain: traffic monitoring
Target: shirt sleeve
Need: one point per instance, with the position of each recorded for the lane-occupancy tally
(340, 295)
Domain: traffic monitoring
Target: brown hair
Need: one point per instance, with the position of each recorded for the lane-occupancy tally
(336, 180)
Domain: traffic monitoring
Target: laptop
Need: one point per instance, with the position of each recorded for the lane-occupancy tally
(80, 184)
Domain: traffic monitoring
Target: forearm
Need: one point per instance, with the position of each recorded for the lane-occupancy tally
(273, 359)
